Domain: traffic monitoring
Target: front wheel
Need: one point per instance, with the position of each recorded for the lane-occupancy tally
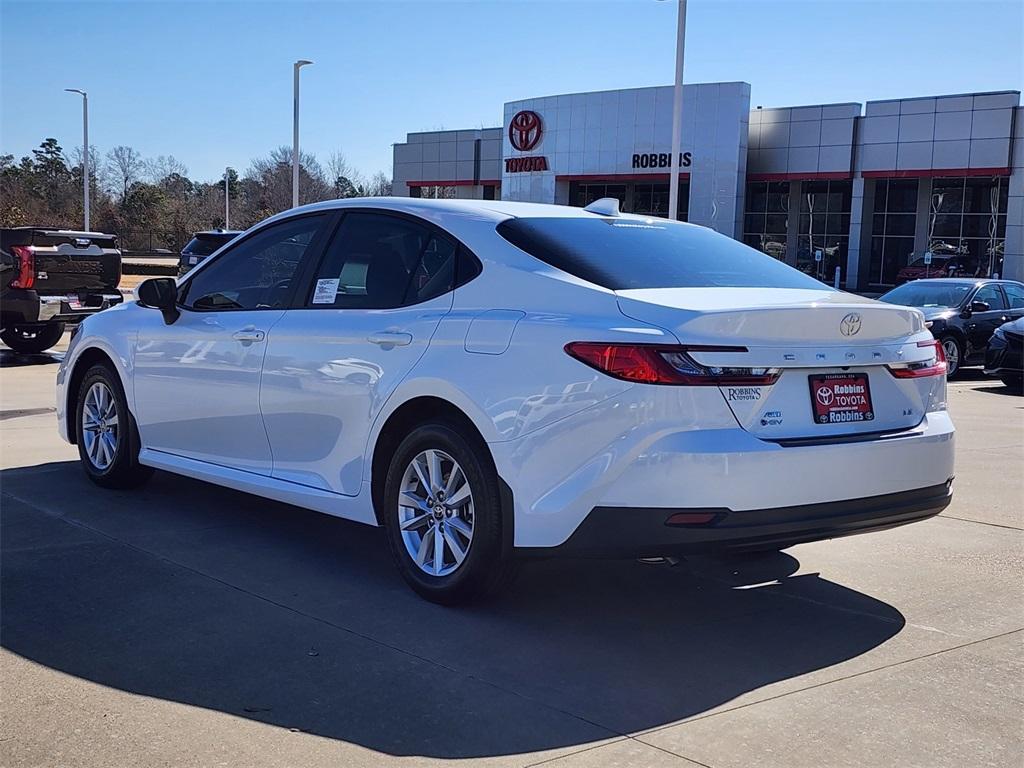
(32, 339)
(443, 515)
(108, 440)
(954, 354)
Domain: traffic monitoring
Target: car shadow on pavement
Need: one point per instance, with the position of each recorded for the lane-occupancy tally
(11, 359)
(200, 595)
(1002, 390)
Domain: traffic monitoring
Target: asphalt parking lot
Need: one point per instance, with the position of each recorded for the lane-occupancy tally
(185, 624)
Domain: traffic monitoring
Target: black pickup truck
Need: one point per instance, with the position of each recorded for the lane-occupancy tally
(51, 277)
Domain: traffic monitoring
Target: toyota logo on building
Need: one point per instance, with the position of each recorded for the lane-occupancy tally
(850, 325)
(525, 130)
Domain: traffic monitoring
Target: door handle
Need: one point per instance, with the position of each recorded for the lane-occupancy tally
(390, 338)
(248, 335)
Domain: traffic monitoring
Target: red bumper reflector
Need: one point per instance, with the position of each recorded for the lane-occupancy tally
(690, 518)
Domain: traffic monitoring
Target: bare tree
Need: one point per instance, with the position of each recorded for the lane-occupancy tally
(272, 181)
(339, 167)
(159, 168)
(379, 185)
(126, 166)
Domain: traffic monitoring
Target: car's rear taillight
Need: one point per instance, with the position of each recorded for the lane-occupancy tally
(26, 266)
(665, 364)
(935, 366)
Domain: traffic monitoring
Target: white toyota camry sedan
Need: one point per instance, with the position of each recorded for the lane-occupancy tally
(490, 380)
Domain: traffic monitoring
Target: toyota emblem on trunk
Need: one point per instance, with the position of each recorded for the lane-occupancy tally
(850, 325)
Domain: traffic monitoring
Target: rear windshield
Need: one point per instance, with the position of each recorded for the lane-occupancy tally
(624, 254)
(204, 245)
(924, 293)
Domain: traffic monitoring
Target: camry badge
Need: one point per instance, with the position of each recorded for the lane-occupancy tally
(850, 325)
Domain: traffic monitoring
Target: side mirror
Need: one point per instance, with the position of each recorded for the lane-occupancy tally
(160, 293)
(980, 306)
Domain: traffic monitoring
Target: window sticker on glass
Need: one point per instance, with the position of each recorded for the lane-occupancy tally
(326, 291)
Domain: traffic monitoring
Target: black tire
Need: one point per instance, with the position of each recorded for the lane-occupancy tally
(1015, 383)
(32, 339)
(123, 470)
(953, 365)
(489, 564)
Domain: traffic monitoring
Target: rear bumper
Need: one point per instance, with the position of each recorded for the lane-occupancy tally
(645, 532)
(680, 448)
(29, 306)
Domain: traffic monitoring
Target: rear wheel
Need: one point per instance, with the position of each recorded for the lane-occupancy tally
(108, 439)
(954, 354)
(31, 339)
(443, 515)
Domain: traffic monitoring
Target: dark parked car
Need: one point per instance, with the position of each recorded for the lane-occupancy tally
(51, 277)
(202, 245)
(962, 313)
(1005, 354)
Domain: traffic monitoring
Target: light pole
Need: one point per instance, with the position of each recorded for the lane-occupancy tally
(295, 134)
(85, 150)
(677, 115)
(227, 198)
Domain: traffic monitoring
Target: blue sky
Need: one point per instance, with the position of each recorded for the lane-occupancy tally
(210, 82)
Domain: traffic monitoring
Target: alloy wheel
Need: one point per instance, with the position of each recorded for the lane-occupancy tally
(100, 431)
(436, 513)
(952, 352)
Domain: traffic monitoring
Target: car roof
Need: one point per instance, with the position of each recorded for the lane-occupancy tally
(218, 232)
(495, 210)
(964, 280)
(57, 231)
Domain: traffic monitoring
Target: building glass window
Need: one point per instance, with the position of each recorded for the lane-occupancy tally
(767, 217)
(892, 229)
(825, 227)
(652, 200)
(967, 224)
(639, 198)
(437, 193)
(583, 194)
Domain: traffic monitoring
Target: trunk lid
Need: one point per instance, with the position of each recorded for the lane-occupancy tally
(818, 339)
(68, 261)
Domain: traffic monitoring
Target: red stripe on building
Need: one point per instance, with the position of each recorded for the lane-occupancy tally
(455, 183)
(620, 177)
(932, 173)
(824, 176)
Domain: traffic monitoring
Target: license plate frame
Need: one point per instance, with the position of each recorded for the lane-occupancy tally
(840, 398)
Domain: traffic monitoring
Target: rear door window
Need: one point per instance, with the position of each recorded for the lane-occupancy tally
(376, 261)
(625, 254)
(1015, 295)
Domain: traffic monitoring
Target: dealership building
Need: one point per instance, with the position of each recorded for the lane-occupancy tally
(865, 188)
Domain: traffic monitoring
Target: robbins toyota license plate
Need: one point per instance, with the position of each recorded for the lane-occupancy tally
(840, 398)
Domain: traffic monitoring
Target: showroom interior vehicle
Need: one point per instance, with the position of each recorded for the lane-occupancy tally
(492, 381)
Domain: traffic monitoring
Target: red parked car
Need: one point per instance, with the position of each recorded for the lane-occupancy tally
(941, 266)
